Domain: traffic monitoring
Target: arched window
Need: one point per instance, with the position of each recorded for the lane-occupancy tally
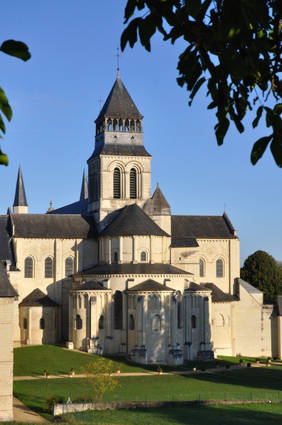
(115, 125)
(132, 125)
(120, 125)
(28, 267)
(116, 183)
(202, 267)
(133, 192)
(219, 268)
(156, 323)
(25, 323)
(131, 322)
(101, 322)
(42, 323)
(69, 266)
(126, 125)
(138, 126)
(118, 310)
(115, 258)
(78, 322)
(48, 267)
(193, 322)
(143, 256)
(110, 126)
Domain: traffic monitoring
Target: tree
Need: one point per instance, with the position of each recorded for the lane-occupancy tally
(233, 48)
(262, 271)
(19, 50)
(99, 376)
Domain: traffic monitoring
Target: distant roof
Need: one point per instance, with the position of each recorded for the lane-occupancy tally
(150, 285)
(197, 226)
(79, 207)
(218, 296)
(119, 149)
(6, 289)
(132, 220)
(129, 268)
(38, 299)
(20, 197)
(119, 103)
(157, 205)
(53, 226)
(90, 285)
(183, 242)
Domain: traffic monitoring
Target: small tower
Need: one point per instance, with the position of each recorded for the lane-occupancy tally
(20, 204)
(158, 209)
(119, 170)
(84, 187)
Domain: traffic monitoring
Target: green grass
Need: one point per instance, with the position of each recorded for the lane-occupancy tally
(255, 414)
(33, 360)
(243, 384)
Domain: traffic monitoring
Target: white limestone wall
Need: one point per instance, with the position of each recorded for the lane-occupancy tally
(210, 250)
(221, 328)
(6, 358)
(108, 163)
(33, 334)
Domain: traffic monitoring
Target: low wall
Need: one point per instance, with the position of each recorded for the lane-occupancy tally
(61, 409)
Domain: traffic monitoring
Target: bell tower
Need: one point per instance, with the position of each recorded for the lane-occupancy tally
(119, 170)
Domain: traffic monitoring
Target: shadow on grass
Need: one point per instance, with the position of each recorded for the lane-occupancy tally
(257, 378)
(204, 415)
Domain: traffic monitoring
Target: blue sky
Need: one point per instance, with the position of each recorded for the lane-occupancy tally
(55, 99)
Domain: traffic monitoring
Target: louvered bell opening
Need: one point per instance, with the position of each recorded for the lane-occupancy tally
(116, 183)
(133, 184)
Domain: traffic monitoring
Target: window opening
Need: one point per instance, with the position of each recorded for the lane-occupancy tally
(219, 268)
(193, 322)
(202, 268)
(48, 267)
(69, 266)
(133, 191)
(78, 322)
(143, 256)
(28, 267)
(131, 322)
(42, 323)
(101, 322)
(116, 183)
(118, 310)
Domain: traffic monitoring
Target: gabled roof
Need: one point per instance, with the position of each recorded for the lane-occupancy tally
(119, 103)
(84, 187)
(197, 226)
(53, 226)
(218, 296)
(158, 204)
(79, 207)
(6, 289)
(129, 268)
(150, 285)
(131, 220)
(38, 299)
(20, 197)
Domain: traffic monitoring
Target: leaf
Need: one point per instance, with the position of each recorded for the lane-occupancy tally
(278, 109)
(221, 129)
(129, 35)
(147, 28)
(259, 148)
(16, 48)
(196, 88)
(193, 7)
(3, 158)
(276, 149)
(129, 9)
(4, 105)
(2, 125)
(259, 113)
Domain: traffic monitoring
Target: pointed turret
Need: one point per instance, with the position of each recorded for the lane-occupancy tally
(158, 209)
(20, 204)
(84, 187)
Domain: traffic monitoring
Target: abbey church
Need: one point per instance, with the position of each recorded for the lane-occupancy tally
(117, 273)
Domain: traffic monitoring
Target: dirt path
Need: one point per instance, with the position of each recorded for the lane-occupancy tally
(22, 413)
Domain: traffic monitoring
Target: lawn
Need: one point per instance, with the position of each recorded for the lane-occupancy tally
(255, 414)
(243, 384)
(33, 360)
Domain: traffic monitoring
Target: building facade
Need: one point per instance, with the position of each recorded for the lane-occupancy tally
(116, 272)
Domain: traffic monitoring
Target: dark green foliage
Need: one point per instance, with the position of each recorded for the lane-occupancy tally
(19, 50)
(234, 46)
(262, 271)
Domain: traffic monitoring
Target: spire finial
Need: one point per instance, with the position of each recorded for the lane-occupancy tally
(50, 209)
(118, 56)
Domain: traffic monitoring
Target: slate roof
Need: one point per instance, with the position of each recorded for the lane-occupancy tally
(129, 268)
(5, 244)
(197, 226)
(218, 296)
(37, 299)
(183, 242)
(158, 204)
(131, 220)
(6, 289)
(53, 226)
(119, 149)
(90, 285)
(150, 285)
(119, 103)
(20, 197)
(79, 207)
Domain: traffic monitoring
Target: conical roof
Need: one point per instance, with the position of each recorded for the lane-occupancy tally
(20, 198)
(84, 187)
(119, 103)
(150, 285)
(158, 204)
(131, 220)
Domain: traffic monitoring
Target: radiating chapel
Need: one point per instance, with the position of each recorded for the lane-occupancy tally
(117, 273)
